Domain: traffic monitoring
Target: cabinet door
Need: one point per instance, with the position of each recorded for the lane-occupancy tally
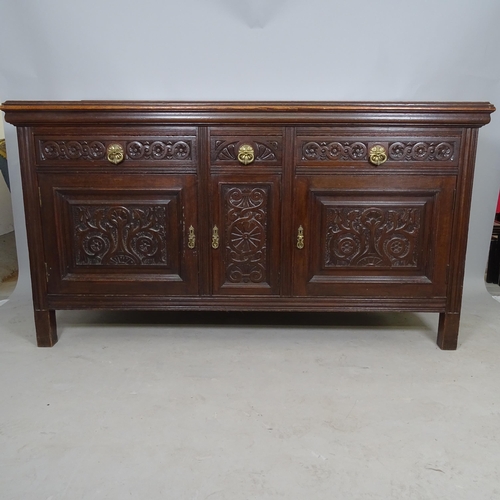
(246, 234)
(379, 235)
(127, 234)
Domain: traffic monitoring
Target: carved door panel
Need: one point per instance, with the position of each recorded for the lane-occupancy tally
(104, 234)
(382, 236)
(246, 234)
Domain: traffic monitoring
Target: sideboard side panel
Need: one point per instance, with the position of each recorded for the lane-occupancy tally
(45, 320)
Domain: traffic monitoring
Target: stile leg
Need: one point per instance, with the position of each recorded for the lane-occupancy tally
(46, 328)
(447, 338)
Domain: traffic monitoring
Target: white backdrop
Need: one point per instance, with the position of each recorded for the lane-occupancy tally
(260, 50)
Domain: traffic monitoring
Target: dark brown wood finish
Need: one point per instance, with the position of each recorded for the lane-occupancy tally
(139, 234)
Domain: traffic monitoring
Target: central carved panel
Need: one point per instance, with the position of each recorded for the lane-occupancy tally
(106, 235)
(246, 223)
(372, 237)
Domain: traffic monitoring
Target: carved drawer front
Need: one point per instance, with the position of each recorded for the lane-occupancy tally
(246, 149)
(117, 237)
(362, 238)
(119, 149)
(375, 151)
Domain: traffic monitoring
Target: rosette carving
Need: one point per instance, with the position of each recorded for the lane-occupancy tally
(246, 230)
(335, 151)
(421, 151)
(159, 150)
(72, 150)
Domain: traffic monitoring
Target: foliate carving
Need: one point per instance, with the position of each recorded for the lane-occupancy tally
(135, 150)
(397, 151)
(106, 235)
(263, 151)
(372, 237)
(245, 234)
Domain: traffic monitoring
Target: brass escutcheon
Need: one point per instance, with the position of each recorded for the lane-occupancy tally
(246, 154)
(215, 238)
(300, 238)
(191, 238)
(115, 153)
(378, 155)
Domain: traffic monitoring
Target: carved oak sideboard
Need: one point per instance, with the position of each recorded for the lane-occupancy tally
(312, 206)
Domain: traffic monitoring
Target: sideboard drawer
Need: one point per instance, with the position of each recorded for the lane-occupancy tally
(265, 146)
(396, 150)
(123, 148)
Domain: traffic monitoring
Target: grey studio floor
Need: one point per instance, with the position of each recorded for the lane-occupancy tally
(237, 406)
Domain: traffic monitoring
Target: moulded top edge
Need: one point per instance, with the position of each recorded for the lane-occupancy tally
(250, 106)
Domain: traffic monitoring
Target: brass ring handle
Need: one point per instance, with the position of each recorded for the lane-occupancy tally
(246, 154)
(215, 238)
(115, 153)
(300, 238)
(378, 155)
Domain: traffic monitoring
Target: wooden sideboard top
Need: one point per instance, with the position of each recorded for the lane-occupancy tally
(445, 113)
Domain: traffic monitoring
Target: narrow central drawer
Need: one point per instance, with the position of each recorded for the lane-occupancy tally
(251, 147)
